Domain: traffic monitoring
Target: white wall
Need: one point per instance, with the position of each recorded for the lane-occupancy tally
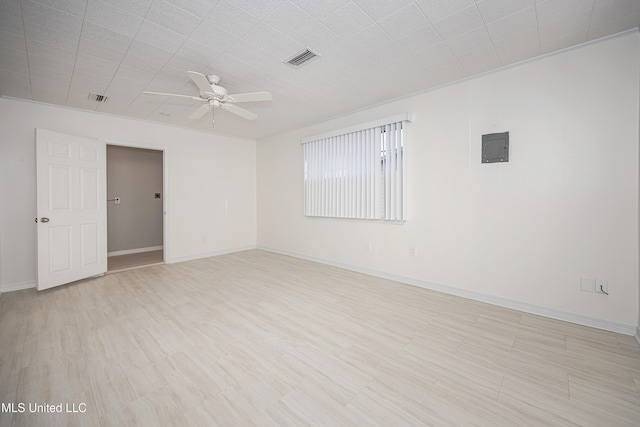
(202, 171)
(134, 175)
(565, 206)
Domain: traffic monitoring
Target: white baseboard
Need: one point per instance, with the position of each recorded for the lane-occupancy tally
(135, 251)
(17, 286)
(209, 254)
(637, 335)
(620, 328)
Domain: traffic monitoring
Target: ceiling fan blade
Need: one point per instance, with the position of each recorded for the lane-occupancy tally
(200, 112)
(239, 111)
(250, 97)
(195, 98)
(201, 81)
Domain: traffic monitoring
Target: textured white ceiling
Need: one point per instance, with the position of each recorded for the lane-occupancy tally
(58, 51)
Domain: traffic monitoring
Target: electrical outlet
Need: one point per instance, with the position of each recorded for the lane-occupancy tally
(602, 287)
(412, 251)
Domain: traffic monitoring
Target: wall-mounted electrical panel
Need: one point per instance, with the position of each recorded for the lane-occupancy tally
(495, 147)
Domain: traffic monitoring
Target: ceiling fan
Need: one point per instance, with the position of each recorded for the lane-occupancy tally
(214, 96)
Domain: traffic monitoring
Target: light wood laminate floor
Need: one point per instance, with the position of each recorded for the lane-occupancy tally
(259, 339)
(137, 260)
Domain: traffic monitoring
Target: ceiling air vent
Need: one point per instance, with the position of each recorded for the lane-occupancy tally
(98, 98)
(301, 58)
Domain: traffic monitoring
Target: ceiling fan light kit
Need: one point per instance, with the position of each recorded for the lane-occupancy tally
(214, 96)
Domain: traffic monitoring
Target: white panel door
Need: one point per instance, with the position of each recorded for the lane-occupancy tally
(72, 211)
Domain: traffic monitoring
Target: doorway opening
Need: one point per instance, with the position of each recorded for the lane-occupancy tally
(135, 208)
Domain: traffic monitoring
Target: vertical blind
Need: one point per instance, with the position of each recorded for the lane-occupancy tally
(357, 174)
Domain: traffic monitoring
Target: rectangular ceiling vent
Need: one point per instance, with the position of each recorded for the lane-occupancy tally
(301, 58)
(98, 98)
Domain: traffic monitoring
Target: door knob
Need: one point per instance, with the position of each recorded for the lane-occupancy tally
(44, 219)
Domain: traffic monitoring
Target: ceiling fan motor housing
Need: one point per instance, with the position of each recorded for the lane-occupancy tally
(219, 93)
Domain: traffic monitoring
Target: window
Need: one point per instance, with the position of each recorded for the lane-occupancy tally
(357, 173)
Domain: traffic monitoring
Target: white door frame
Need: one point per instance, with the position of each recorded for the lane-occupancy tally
(165, 193)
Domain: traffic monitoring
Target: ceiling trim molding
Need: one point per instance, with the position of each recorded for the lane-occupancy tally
(213, 132)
